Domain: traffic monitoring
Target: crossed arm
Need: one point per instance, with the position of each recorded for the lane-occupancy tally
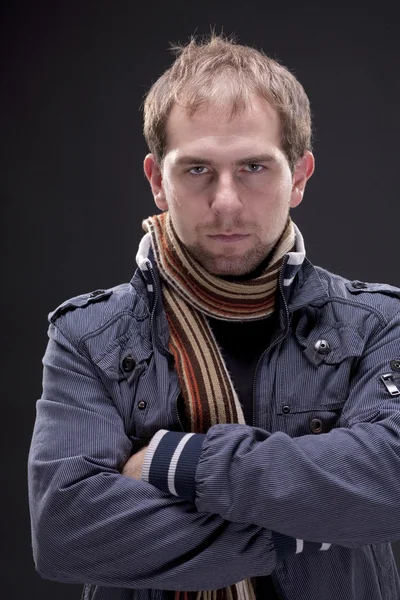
(92, 524)
(335, 488)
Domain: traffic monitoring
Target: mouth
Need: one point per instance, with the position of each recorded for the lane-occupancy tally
(230, 237)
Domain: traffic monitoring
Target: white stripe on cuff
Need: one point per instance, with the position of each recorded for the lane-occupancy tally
(151, 449)
(299, 546)
(174, 462)
(325, 546)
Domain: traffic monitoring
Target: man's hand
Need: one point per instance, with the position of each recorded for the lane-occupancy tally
(133, 466)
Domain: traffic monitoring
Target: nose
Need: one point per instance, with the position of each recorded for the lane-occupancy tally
(226, 200)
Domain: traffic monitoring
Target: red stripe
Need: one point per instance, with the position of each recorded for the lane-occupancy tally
(190, 378)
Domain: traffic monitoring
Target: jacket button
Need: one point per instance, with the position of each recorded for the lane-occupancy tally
(322, 346)
(142, 404)
(359, 285)
(395, 365)
(286, 409)
(96, 293)
(316, 425)
(128, 364)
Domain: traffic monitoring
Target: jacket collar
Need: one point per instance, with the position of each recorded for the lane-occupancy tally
(307, 288)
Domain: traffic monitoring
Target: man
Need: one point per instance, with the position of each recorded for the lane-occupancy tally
(227, 424)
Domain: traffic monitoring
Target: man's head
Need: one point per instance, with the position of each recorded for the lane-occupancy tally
(229, 131)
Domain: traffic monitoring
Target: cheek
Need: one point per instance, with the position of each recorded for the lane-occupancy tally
(186, 203)
(180, 195)
(267, 189)
(277, 197)
(184, 219)
(171, 193)
(285, 188)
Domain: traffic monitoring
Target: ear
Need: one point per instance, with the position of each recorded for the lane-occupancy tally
(303, 171)
(154, 175)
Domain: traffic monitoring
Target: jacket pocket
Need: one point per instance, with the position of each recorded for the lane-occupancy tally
(313, 376)
(152, 396)
(296, 422)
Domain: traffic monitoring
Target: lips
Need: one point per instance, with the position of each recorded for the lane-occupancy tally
(234, 237)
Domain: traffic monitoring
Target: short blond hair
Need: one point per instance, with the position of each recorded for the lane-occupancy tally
(216, 69)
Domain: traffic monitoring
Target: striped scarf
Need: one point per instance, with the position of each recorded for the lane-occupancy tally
(190, 295)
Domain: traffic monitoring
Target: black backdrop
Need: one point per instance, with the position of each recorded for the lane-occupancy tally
(73, 192)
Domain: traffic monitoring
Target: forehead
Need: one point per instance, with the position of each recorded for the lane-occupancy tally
(212, 130)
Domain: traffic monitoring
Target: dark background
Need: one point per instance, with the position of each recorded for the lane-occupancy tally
(73, 192)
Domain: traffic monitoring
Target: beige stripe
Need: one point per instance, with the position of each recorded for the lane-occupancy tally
(199, 338)
(229, 313)
(214, 309)
(221, 399)
(205, 360)
(181, 309)
(239, 589)
(245, 589)
(225, 399)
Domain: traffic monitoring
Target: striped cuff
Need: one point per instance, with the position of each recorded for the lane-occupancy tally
(171, 460)
(286, 546)
(170, 465)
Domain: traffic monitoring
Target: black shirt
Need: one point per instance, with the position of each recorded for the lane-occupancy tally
(242, 344)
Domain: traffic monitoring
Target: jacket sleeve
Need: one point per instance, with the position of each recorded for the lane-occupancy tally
(340, 487)
(91, 524)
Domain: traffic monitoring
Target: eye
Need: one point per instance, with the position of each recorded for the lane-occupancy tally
(198, 170)
(253, 168)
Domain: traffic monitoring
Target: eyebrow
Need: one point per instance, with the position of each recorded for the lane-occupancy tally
(198, 160)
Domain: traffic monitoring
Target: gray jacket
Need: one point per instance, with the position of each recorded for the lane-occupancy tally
(310, 494)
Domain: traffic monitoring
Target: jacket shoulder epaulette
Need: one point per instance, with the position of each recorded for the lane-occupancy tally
(81, 301)
(357, 287)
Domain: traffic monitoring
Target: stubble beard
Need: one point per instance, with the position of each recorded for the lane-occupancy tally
(234, 265)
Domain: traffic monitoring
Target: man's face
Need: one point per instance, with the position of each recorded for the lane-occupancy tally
(227, 184)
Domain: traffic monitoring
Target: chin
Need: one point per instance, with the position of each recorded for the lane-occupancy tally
(226, 267)
(229, 265)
